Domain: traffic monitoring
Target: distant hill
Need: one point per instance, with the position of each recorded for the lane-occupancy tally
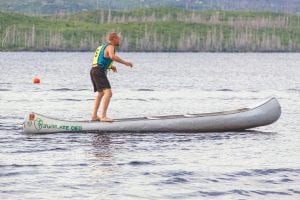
(67, 6)
(153, 29)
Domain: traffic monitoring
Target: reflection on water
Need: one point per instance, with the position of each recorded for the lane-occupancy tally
(102, 146)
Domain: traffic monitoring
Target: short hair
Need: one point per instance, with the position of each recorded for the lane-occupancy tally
(112, 36)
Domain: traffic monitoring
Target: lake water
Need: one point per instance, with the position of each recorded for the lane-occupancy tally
(263, 163)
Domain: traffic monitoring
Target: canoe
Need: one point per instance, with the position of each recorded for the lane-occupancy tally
(262, 114)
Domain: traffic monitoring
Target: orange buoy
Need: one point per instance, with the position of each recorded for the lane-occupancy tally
(36, 80)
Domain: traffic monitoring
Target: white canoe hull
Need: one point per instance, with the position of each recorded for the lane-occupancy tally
(263, 114)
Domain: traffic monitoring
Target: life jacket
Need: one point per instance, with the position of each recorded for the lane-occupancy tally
(100, 60)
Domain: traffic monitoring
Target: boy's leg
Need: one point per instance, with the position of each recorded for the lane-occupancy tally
(105, 103)
(96, 106)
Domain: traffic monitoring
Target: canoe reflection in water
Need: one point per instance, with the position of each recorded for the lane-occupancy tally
(102, 146)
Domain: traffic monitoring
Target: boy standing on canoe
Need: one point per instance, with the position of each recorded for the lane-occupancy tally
(103, 59)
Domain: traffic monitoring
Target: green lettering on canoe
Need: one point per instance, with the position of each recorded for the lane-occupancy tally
(39, 124)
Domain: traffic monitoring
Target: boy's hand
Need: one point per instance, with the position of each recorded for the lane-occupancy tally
(114, 69)
(129, 64)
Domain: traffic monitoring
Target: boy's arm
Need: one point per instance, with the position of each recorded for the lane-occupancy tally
(113, 56)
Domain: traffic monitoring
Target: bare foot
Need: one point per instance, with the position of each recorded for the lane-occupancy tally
(95, 119)
(105, 119)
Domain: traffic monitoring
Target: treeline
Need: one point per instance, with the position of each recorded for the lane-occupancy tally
(154, 29)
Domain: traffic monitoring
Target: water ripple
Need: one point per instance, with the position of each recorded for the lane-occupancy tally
(266, 192)
(259, 172)
(175, 180)
(67, 89)
(225, 90)
(145, 90)
(212, 193)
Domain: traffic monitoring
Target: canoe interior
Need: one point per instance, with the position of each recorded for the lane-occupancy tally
(165, 117)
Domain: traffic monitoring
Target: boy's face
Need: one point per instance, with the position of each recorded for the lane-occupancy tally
(116, 41)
